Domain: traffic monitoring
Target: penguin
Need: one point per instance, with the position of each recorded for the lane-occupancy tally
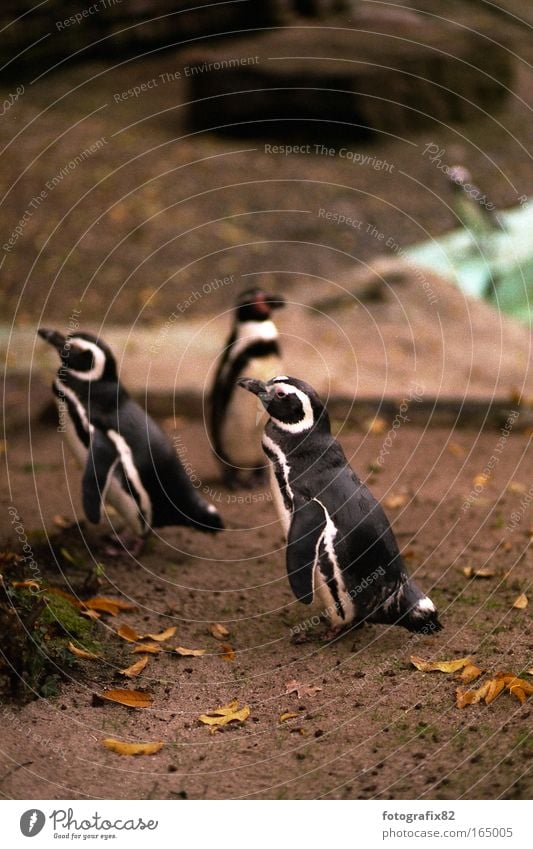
(128, 461)
(235, 427)
(339, 544)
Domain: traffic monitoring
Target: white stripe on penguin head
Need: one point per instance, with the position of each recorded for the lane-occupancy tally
(96, 372)
(308, 418)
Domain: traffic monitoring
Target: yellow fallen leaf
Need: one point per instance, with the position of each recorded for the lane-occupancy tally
(495, 687)
(135, 668)
(393, 502)
(164, 635)
(518, 692)
(128, 633)
(132, 748)
(470, 673)
(62, 522)
(189, 652)
(149, 648)
(375, 426)
(456, 449)
(520, 682)
(87, 655)
(227, 651)
(480, 480)
(285, 716)
(26, 585)
(226, 714)
(218, 631)
(515, 486)
(104, 605)
(482, 572)
(463, 697)
(130, 698)
(440, 665)
(521, 602)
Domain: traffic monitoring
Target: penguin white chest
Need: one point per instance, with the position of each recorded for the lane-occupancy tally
(245, 417)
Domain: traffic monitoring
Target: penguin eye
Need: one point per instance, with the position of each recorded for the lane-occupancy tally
(280, 393)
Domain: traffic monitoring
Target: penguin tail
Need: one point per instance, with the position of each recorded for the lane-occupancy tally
(409, 607)
(205, 517)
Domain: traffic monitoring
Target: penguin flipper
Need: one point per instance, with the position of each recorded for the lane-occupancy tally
(308, 523)
(101, 459)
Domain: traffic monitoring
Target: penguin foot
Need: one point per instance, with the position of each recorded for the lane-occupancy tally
(125, 543)
(230, 479)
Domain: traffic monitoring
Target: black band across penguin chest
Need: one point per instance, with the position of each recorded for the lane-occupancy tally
(81, 427)
(280, 473)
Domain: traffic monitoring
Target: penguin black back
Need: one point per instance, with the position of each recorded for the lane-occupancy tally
(128, 458)
(340, 545)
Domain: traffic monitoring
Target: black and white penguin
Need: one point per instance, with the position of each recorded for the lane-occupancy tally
(340, 546)
(252, 349)
(128, 461)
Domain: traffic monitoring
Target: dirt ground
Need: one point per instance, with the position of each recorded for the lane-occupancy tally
(156, 211)
(375, 728)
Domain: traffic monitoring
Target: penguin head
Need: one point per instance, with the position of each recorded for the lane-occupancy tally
(293, 405)
(82, 355)
(256, 305)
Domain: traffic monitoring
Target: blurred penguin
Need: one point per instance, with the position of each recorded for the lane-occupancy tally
(252, 350)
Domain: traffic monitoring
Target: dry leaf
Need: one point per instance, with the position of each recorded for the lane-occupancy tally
(518, 692)
(108, 605)
(480, 480)
(62, 522)
(285, 716)
(189, 652)
(132, 748)
(456, 449)
(128, 633)
(149, 648)
(218, 631)
(470, 673)
(515, 486)
(90, 614)
(30, 584)
(392, 502)
(227, 651)
(440, 665)
(301, 689)
(495, 686)
(521, 602)
(164, 635)
(130, 698)
(489, 691)
(376, 426)
(87, 655)
(226, 714)
(482, 572)
(135, 668)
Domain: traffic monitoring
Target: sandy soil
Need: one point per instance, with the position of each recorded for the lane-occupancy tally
(376, 728)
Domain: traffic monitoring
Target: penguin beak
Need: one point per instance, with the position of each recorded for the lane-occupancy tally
(257, 387)
(57, 340)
